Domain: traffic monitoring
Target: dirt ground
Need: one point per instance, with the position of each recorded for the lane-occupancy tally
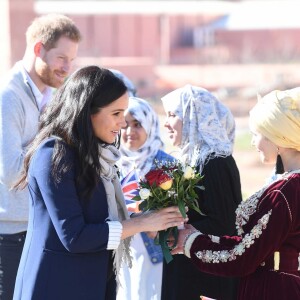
(253, 173)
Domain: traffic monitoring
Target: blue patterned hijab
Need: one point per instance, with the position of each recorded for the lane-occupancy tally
(208, 126)
(141, 159)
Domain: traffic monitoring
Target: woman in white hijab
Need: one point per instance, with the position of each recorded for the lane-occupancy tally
(141, 146)
(266, 251)
(203, 129)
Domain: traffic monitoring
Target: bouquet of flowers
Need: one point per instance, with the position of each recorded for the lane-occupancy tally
(169, 184)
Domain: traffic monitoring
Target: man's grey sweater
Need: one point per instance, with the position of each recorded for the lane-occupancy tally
(19, 117)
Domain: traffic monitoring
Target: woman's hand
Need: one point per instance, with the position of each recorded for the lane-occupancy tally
(162, 219)
(153, 234)
(182, 236)
(153, 221)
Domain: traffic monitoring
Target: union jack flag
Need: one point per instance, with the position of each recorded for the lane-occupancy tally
(129, 187)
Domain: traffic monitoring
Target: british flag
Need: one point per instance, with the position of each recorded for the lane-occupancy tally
(129, 187)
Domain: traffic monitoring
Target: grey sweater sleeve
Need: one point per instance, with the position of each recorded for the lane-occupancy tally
(19, 117)
(11, 132)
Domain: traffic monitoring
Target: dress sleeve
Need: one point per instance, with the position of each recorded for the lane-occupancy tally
(115, 232)
(241, 255)
(220, 197)
(63, 206)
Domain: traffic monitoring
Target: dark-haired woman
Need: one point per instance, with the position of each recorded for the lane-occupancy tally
(79, 229)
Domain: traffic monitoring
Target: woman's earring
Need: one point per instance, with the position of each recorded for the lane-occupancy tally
(279, 169)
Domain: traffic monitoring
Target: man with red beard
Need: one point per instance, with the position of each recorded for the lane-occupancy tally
(51, 47)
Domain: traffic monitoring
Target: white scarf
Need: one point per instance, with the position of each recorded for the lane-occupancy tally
(117, 210)
(208, 126)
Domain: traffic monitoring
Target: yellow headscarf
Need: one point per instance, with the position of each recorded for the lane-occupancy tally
(277, 117)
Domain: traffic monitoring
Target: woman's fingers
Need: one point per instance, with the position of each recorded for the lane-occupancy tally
(182, 235)
(172, 212)
(173, 217)
(177, 250)
(162, 219)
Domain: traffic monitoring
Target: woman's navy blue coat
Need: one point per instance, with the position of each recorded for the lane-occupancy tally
(65, 254)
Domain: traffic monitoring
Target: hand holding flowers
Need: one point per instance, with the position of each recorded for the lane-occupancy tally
(169, 184)
(182, 238)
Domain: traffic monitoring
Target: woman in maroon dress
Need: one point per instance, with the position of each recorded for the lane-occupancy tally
(266, 251)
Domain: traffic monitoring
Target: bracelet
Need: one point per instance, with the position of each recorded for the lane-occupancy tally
(188, 241)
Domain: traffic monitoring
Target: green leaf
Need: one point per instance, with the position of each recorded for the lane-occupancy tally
(143, 205)
(181, 206)
(197, 209)
(163, 236)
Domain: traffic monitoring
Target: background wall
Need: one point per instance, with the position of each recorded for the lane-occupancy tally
(235, 49)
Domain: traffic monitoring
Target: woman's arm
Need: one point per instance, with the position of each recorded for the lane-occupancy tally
(59, 201)
(64, 209)
(239, 255)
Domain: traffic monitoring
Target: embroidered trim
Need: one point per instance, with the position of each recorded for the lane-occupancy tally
(209, 256)
(215, 239)
(289, 274)
(287, 203)
(246, 209)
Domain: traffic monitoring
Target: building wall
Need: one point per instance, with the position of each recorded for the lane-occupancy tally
(21, 14)
(5, 47)
(278, 45)
(15, 16)
(142, 45)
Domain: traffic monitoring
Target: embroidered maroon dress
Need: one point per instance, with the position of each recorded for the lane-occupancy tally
(266, 252)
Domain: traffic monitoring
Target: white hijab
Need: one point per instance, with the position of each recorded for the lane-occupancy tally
(142, 159)
(208, 126)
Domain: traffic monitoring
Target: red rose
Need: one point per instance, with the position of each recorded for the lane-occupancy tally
(157, 176)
